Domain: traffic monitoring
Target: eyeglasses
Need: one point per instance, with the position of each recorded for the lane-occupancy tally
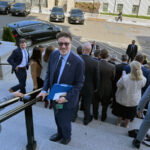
(61, 44)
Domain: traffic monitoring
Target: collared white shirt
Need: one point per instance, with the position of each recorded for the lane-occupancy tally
(24, 58)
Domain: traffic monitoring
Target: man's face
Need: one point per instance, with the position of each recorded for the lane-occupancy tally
(133, 42)
(42, 50)
(23, 45)
(64, 45)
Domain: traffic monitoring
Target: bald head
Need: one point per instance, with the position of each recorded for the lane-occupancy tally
(86, 48)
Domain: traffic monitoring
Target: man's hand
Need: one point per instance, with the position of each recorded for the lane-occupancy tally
(43, 95)
(139, 114)
(16, 68)
(61, 100)
(18, 94)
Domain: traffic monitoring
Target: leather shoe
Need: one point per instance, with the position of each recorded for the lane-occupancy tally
(136, 143)
(55, 138)
(86, 122)
(65, 141)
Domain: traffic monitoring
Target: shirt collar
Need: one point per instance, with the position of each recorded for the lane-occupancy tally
(65, 57)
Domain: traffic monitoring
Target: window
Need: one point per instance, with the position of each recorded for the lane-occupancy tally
(135, 9)
(27, 29)
(105, 7)
(148, 11)
(119, 7)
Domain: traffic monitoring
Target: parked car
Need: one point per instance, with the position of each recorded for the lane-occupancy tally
(76, 16)
(4, 7)
(57, 14)
(20, 9)
(33, 30)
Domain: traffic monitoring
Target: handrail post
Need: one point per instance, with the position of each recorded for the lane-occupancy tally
(30, 129)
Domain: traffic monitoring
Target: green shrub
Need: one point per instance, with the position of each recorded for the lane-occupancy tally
(126, 15)
(88, 7)
(7, 35)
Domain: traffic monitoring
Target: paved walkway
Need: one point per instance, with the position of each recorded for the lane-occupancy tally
(109, 18)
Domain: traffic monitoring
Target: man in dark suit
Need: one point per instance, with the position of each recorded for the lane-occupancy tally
(107, 75)
(19, 60)
(94, 48)
(121, 67)
(132, 50)
(90, 81)
(64, 67)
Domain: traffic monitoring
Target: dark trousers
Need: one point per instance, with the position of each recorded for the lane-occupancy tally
(96, 100)
(21, 75)
(87, 99)
(75, 110)
(130, 58)
(105, 100)
(63, 119)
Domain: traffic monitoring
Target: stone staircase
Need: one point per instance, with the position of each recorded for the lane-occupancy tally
(96, 136)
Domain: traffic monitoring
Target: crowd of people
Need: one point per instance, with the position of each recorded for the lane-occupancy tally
(95, 76)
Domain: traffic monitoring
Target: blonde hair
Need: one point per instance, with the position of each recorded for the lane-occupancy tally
(136, 72)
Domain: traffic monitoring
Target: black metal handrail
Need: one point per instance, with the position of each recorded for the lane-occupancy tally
(27, 107)
(4, 64)
(11, 101)
(18, 109)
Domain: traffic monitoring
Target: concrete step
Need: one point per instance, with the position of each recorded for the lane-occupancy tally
(96, 136)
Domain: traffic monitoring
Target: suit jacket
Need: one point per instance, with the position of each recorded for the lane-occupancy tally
(131, 52)
(107, 75)
(15, 58)
(119, 69)
(129, 91)
(91, 75)
(73, 74)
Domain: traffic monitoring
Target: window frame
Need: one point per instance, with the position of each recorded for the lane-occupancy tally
(135, 11)
(105, 7)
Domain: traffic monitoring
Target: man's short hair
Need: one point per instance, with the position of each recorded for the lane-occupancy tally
(22, 40)
(124, 57)
(104, 53)
(139, 58)
(97, 52)
(64, 34)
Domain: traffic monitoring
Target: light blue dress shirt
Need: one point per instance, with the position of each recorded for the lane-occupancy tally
(64, 61)
(25, 58)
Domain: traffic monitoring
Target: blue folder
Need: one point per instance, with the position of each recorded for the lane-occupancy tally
(58, 89)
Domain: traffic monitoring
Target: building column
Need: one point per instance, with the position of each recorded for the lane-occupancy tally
(70, 5)
(51, 4)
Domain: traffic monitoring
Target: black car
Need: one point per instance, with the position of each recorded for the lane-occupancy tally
(33, 30)
(4, 7)
(20, 9)
(76, 16)
(57, 14)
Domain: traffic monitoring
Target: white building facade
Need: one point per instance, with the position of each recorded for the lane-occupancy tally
(130, 7)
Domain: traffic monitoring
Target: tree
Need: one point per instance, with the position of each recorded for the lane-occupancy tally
(7, 35)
